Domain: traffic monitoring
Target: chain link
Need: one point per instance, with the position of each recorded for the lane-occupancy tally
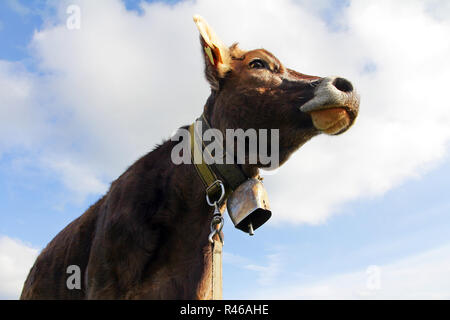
(217, 223)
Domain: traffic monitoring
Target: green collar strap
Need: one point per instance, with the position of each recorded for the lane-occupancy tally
(211, 172)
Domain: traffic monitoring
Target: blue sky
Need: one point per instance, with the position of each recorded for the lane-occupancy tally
(399, 213)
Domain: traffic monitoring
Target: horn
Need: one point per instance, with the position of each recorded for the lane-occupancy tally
(248, 206)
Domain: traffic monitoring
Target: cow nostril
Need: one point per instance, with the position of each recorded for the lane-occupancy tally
(343, 84)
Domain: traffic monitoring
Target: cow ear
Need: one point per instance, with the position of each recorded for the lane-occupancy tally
(216, 54)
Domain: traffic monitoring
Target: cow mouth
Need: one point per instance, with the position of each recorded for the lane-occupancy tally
(332, 120)
(334, 107)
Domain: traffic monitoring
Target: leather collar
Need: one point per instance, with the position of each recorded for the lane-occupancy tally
(213, 174)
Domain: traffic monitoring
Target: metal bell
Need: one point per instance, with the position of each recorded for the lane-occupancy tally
(248, 206)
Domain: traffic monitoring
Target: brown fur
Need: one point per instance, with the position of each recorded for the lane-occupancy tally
(147, 238)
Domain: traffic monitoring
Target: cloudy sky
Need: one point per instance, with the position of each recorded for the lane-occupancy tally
(358, 216)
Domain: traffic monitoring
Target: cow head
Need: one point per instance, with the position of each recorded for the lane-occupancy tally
(253, 89)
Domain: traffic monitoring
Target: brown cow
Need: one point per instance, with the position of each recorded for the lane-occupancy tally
(147, 238)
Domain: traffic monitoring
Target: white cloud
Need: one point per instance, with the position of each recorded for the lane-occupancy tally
(77, 178)
(16, 259)
(123, 82)
(268, 273)
(20, 122)
(422, 276)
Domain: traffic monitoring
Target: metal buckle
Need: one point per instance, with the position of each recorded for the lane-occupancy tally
(222, 190)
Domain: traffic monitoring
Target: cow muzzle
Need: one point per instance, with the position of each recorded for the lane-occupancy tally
(334, 107)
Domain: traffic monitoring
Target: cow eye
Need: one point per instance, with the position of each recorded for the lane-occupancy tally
(257, 64)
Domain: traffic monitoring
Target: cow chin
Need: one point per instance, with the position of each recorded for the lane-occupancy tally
(331, 121)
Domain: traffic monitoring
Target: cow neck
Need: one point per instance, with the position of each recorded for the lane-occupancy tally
(231, 175)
